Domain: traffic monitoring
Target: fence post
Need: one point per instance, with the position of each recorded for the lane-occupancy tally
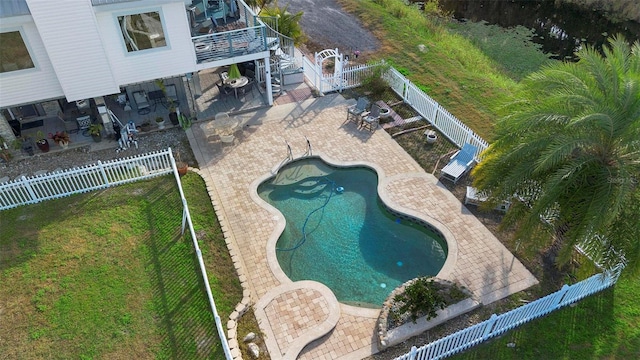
(487, 330)
(184, 215)
(405, 91)
(104, 173)
(32, 194)
(559, 295)
(435, 115)
(414, 352)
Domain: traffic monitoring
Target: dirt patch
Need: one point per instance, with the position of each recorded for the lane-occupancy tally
(328, 26)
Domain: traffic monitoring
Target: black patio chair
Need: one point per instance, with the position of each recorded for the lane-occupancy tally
(224, 90)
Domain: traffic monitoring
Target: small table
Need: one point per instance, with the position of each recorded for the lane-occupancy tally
(237, 83)
(157, 97)
(473, 197)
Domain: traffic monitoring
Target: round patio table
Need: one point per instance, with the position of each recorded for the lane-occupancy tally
(237, 83)
(223, 126)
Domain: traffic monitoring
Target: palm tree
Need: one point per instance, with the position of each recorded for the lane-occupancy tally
(570, 150)
(258, 5)
(288, 23)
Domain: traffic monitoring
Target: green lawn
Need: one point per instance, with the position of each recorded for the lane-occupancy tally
(108, 275)
(603, 326)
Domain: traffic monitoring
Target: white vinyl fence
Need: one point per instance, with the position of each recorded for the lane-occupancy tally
(34, 189)
(102, 175)
(454, 129)
(499, 324)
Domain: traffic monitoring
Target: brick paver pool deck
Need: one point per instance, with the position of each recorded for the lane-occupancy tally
(303, 320)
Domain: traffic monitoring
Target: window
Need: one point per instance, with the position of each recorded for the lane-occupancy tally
(13, 52)
(142, 31)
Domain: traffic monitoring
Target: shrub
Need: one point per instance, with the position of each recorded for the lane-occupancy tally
(421, 298)
(375, 82)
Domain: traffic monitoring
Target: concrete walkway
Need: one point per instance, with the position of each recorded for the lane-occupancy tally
(303, 320)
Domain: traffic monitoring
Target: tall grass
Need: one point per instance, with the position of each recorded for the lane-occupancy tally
(447, 63)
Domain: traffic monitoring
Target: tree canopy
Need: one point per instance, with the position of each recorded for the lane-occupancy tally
(569, 151)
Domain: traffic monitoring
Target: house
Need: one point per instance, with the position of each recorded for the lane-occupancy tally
(60, 60)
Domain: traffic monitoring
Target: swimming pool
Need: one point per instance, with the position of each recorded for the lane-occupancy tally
(339, 233)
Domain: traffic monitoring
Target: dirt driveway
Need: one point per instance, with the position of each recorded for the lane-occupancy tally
(328, 27)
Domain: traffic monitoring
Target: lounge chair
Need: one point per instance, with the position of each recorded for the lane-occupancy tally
(354, 113)
(140, 97)
(370, 121)
(460, 163)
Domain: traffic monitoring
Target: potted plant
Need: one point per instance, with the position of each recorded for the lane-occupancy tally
(160, 122)
(5, 155)
(185, 122)
(146, 126)
(61, 138)
(25, 144)
(3, 143)
(431, 135)
(95, 130)
(42, 142)
(181, 165)
(173, 115)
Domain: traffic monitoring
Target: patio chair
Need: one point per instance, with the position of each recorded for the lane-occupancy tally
(140, 98)
(224, 90)
(354, 113)
(171, 94)
(216, 10)
(246, 89)
(370, 121)
(460, 163)
(84, 123)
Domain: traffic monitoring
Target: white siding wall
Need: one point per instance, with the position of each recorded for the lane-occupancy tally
(176, 58)
(70, 34)
(30, 85)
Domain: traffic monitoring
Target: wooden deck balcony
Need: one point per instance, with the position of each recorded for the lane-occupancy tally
(224, 45)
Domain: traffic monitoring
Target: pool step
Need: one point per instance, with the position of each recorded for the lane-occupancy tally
(311, 187)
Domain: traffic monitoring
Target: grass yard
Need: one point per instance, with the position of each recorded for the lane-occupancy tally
(107, 275)
(603, 326)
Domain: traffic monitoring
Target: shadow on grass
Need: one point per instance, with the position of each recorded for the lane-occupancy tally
(20, 226)
(569, 333)
(180, 301)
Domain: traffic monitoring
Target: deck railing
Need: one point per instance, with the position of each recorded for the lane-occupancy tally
(102, 175)
(231, 43)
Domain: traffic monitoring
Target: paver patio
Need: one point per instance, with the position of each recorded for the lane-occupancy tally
(305, 321)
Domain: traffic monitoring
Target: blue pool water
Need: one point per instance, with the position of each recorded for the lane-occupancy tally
(340, 234)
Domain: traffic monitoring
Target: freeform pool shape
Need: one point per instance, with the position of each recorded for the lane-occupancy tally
(339, 233)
